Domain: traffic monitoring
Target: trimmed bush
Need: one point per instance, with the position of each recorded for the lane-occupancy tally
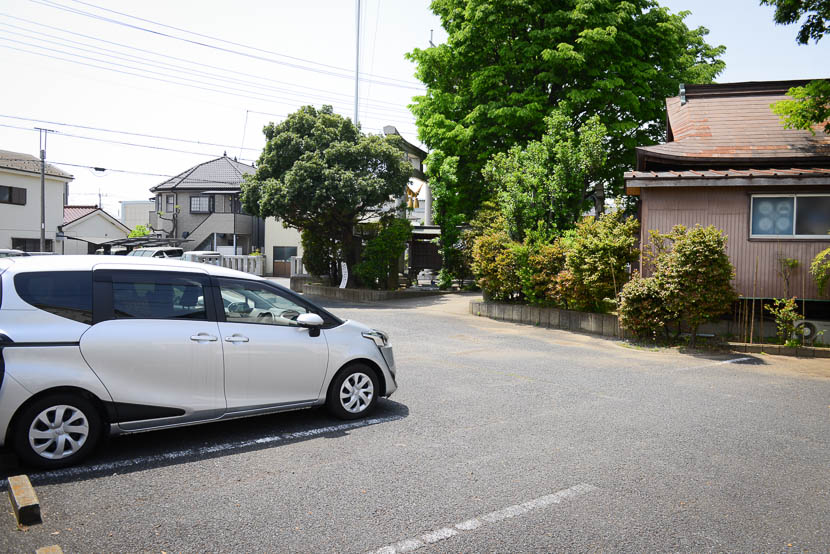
(643, 309)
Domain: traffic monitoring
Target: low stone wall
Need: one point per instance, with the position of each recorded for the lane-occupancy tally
(365, 295)
(297, 282)
(606, 325)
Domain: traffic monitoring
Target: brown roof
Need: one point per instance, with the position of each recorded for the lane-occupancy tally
(779, 177)
(28, 163)
(726, 173)
(71, 213)
(732, 125)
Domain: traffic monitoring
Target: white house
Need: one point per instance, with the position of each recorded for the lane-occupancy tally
(20, 201)
(85, 227)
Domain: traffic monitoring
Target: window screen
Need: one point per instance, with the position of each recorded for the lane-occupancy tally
(64, 293)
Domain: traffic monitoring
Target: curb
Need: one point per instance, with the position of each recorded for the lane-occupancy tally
(780, 350)
(366, 295)
(24, 500)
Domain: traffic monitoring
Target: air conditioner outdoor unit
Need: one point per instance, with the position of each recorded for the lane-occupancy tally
(812, 329)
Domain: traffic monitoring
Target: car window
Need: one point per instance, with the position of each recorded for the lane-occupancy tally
(64, 293)
(155, 296)
(250, 302)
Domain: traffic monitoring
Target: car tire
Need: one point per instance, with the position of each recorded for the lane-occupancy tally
(57, 430)
(354, 392)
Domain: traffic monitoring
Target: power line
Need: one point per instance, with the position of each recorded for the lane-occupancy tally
(227, 41)
(122, 132)
(267, 96)
(153, 53)
(211, 46)
(108, 53)
(227, 90)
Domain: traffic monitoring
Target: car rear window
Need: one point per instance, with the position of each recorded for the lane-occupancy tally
(63, 293)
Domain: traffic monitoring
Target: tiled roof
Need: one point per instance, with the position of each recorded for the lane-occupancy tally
(733, 125)
(727, 173)
(219, 174)
(28, 163)
(71, 213)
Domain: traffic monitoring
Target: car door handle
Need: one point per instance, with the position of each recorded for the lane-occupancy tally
(236, 338)
(203, 337)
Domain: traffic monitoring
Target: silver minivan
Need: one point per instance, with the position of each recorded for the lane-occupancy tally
(104, 344)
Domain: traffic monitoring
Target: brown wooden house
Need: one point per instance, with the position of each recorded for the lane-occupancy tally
(729, 162)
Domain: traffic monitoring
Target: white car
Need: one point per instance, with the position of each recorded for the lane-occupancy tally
(104, 344)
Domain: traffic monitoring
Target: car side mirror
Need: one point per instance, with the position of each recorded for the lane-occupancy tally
(312, 322)
(309, 320)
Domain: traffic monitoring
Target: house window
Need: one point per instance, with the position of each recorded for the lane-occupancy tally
(169, 204)
(284, 253)
(12, 195)
(158, 203)
(31, 245)
(790, 215)
(201, 204)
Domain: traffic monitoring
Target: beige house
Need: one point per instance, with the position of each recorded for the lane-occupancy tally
(136, 212)
(85, 227)
(20, 201)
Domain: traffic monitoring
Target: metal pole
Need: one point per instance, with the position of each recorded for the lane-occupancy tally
(43, 133)
(357, 63)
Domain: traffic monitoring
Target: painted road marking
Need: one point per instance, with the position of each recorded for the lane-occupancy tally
(414, 543)
(82, 471)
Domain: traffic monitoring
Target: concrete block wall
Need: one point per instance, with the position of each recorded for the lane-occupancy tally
(599, 324)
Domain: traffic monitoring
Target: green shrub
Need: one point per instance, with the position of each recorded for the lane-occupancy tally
(695, 276)
(820, 270)
(320, 255)
(785, 312)
(379, 268)
(495, 265)
(598, 253)
(642, 308)
(540, 264)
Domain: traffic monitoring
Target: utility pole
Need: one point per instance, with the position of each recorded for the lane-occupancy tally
(357, 62)
(42, 134)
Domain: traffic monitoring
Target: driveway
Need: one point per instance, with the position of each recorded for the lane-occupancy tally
(501, 438)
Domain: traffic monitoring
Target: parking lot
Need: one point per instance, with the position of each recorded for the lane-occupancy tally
(501, 438)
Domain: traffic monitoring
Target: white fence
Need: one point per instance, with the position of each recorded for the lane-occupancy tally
(297, 267)
(248, 264)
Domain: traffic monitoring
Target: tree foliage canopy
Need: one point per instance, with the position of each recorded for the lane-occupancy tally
(507, 63)
(544, 187)
(320, 174)
(814, 13)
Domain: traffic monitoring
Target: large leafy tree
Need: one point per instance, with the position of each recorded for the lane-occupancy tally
(320, 174)
(544, 187)
(507, 63)
(810, 104)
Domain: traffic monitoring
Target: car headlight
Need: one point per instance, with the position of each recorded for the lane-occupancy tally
(380, 338)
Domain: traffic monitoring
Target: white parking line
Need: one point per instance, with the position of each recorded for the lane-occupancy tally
(722, 362)
(408, 545)
(82, 471)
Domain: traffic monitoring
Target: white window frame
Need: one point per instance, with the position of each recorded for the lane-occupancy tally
(795, 198)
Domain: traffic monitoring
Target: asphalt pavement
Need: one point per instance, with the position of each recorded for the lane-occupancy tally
(501, 438)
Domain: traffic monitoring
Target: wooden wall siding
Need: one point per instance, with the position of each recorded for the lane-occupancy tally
(728, 210)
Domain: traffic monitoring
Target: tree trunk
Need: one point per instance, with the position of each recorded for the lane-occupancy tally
(599, 198)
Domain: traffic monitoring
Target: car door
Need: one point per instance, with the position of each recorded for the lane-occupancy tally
(269, 360)
(155, 347)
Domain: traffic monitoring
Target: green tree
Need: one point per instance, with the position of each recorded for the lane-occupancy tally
(814, 15)
(379, 268)
(820, 270)
(139, 231)
(810, 104)
(319, 173)
(507, 63)
(545, 186)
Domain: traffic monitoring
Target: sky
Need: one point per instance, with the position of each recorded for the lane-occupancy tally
(146, 90)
